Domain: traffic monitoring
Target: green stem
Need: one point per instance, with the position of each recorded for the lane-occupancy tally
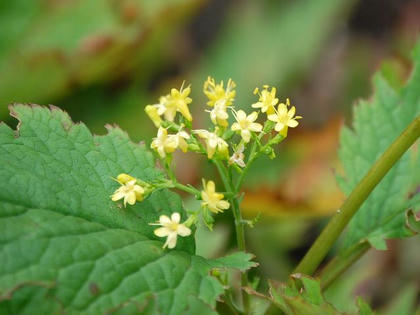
(239, 226)
(341, 263)
(229, 302)
(253, 155)
(167, 164)
(187, 189)
(240, 234)
(251, 159)
(339, 221)
(176, 184)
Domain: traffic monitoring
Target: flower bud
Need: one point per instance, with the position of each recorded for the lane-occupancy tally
(124, 178)
(152, 112)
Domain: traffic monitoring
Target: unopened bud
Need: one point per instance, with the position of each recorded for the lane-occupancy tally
(124, 178)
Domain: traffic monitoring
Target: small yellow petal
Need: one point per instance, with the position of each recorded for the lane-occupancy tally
(293, 123)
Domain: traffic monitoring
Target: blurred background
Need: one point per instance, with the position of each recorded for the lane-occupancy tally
(103, 61)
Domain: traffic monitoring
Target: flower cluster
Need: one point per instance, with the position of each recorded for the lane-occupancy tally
(165, 144)
(224, 144)
(169, 105)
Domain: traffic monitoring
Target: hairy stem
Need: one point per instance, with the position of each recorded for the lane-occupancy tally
(339, 221)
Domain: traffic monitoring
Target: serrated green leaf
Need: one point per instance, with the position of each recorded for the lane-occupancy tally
(240, 260)
(307, 301)
(59, 228)
(376, 124)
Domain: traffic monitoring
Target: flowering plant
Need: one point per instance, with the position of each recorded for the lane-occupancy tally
(75, 239)
(222, 144)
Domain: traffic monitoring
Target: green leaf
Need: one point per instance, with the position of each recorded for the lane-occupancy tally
(240, 260)
(30, 300)
(376, 124)
(364, 308)
(413, 221)
(308, 300)
(63, 240)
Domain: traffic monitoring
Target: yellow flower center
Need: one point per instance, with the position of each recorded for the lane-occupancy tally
(244, 124)
(173, 226)
(127, 188)
(267, 98)
(284, 119)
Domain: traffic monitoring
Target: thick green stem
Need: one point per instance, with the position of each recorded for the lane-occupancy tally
(341, 263)
(339, 221)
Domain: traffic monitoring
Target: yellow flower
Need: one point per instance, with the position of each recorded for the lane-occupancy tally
(171, 228)
(238, 157)
(267, 100)
(164, 143)
(217, 94)
(219, 115)
(169, 105)
(129, 191)
(153, 112)
(213, 143)
(284, 118)
(178, 100)
(212, 199)
(165, 108)
(245, 124)
(124, 178)
(180, 140)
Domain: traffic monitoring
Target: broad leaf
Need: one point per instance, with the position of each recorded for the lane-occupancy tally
(65, 245)
(376, 124)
